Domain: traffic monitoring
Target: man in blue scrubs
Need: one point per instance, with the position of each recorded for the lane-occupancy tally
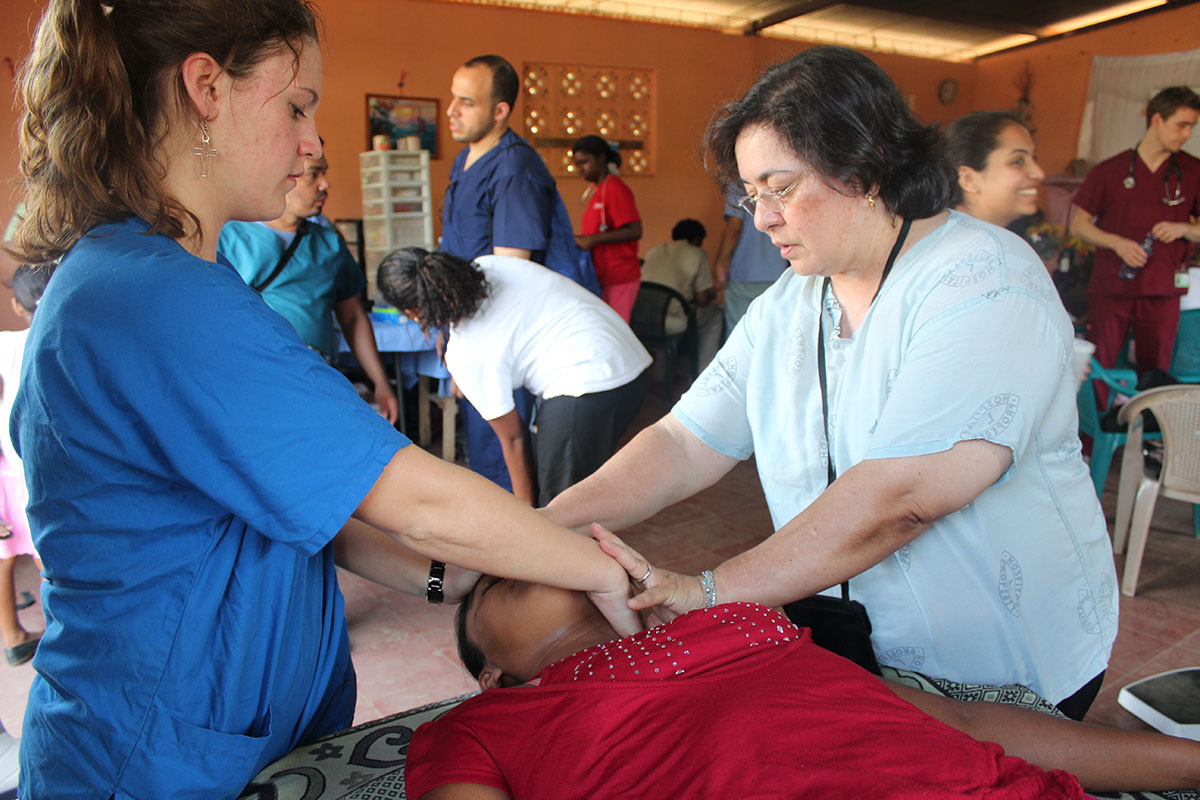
(501, 200)
(746, 265)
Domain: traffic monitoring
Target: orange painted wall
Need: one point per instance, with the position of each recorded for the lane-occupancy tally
(370, 44)
(16, 37)
(1061, 68)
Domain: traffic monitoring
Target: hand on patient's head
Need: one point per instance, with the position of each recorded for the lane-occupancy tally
(458, 583)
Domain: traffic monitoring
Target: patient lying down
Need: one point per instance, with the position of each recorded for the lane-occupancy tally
(735, 702)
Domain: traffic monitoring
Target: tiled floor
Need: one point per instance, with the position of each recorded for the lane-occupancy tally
(403, 648)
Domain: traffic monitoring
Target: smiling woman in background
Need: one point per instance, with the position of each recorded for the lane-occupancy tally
(998, 175)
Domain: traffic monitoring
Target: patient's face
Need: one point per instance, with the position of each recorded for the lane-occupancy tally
(516, 623)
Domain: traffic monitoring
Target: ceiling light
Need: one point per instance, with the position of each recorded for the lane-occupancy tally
(996, 45)
(1103, 15)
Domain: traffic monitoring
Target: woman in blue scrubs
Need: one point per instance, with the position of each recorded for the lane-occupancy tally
(190, 461)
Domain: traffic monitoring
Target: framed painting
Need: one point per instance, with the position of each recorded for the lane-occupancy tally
(399, 118)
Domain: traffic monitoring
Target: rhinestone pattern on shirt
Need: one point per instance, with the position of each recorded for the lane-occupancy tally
(658, 654)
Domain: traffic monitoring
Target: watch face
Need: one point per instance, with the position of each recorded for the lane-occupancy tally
(947, 90)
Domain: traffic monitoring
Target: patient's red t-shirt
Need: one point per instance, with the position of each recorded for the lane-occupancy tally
(732, 702)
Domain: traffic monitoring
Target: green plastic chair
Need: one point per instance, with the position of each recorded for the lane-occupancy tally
(1104, 443)
(1185, 365)
(1185, 360)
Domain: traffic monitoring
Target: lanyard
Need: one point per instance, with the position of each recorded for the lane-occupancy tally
(831, 472)
(1172, 166)
(887, 268)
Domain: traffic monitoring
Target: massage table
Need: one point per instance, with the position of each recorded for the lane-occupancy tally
(366, 762)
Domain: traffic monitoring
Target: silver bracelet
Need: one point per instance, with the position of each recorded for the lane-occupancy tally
(709, 587)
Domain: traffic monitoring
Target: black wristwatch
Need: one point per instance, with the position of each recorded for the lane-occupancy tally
(433, 589)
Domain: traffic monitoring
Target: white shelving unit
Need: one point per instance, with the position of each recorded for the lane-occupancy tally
(397, 203)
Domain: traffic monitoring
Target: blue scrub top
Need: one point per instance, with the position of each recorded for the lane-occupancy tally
(509, 199)
(189, 462)
(320, 274)
(754, 258)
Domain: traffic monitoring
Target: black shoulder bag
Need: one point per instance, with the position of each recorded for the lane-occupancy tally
(839, 624)
(283, 259)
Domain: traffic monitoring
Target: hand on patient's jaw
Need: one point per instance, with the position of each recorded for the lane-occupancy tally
(458, 583)
(614, 606)
(667, 594)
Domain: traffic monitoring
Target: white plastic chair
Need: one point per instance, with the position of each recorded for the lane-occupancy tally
(1177, 409)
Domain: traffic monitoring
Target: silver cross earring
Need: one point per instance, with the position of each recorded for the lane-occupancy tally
(204, 150)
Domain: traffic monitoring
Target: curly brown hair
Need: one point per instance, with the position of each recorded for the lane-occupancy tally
(98, 93)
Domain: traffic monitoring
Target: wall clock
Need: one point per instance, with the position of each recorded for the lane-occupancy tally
(947, 91)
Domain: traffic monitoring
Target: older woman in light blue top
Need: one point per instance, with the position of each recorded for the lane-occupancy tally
(961, 512)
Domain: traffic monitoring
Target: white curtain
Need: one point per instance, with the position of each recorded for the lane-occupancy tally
(1114, 118)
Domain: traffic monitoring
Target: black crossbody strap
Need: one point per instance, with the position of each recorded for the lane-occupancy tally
(283, 259)
(831, 471)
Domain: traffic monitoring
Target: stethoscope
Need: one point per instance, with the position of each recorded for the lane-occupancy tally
(1172, 166)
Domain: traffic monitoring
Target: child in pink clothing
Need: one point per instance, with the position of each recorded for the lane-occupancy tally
(15, 539)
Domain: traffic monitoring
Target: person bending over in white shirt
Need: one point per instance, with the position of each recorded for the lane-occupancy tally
(511, 324)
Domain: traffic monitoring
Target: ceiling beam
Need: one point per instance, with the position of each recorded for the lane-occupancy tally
(976, 15)
(1108, 23)
(790, 11)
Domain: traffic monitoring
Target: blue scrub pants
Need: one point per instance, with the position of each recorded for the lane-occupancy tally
(483, 448)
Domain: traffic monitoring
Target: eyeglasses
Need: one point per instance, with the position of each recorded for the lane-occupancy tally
(771, 201)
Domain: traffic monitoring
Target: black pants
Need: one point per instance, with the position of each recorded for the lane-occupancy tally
(1078, 704)
(576, 435)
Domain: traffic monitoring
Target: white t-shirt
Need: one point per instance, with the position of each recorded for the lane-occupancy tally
(966, 340)
(541, 331)
(682, 266)
(12, 349)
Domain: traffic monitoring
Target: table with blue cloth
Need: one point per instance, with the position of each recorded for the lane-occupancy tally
(416, 363)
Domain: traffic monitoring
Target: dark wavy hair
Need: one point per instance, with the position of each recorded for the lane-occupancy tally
(595, 146)
(841, 114)
(971, 139)
(98, 90)
(689, 229)
(443, 289)
(468, 652)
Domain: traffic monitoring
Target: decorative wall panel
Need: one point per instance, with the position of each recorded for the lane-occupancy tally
(565, 101)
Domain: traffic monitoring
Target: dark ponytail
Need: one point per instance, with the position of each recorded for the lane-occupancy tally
(28, 284)
(971, 139)
(99, 89)
(442, 289)
(595, 146)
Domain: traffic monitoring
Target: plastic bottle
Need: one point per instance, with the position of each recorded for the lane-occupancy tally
(1128, 273)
